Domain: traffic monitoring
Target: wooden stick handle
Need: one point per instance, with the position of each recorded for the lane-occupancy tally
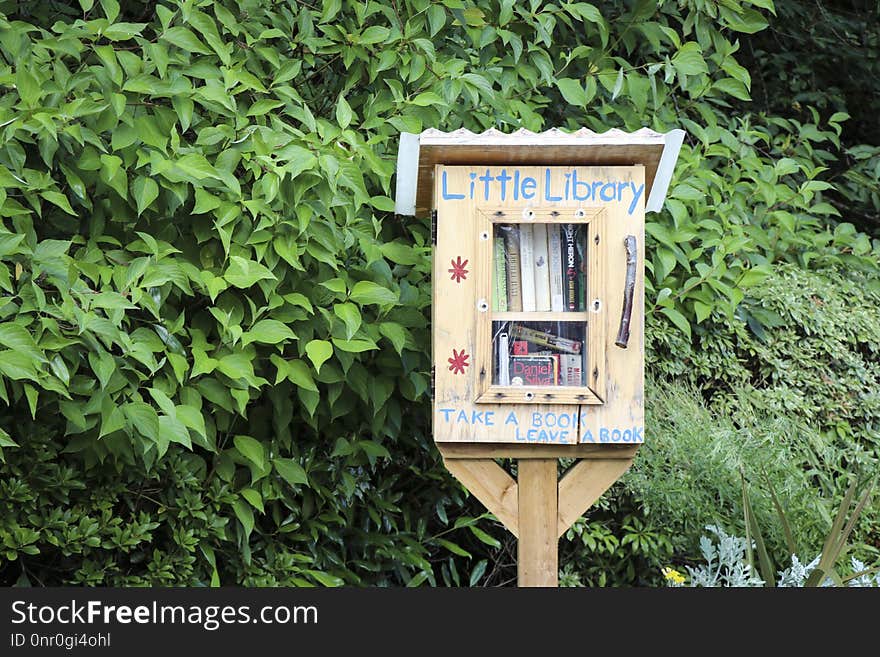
(632, 255)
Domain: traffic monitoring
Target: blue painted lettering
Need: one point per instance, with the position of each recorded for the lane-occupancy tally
(486, 178)
(507, 183)
(547, 195)
(446, 195)
(576, 185)
(637, 194)
(503, 178)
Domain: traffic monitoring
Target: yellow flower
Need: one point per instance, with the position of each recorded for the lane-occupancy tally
(673, 575)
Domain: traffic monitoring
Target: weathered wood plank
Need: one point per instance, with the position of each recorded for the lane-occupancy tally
(524, 451)
(538, 558)
(489, 483)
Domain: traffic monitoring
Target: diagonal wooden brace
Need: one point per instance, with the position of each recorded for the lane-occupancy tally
(489, 483)
(538, 509)
(583, 484)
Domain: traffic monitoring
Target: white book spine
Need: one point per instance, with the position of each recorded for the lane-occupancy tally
(542, 268)
(527, 266)
(557, 287)
(503, 360)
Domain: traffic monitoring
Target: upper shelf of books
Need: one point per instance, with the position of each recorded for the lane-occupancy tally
(539, 272)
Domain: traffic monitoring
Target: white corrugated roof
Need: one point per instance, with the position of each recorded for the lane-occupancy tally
(419, 153)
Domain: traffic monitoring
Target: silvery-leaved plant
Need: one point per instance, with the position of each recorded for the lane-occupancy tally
(727, 566)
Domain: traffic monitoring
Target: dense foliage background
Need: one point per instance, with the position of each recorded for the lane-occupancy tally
(214, 330)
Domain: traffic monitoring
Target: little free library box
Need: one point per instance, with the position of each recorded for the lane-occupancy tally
(538, 297)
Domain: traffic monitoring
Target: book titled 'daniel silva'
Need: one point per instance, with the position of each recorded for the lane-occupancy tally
(534, 370)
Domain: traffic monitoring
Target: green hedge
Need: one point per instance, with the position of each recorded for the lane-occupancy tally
(215, 331)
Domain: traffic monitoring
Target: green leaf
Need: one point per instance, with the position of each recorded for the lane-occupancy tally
(428, 99)
(319, 351)
(6, 440)
(103, 365)
(484, 537)
(367, 292)
(243, 273)
(325, 579)
(733, 88)
(436, 18)
(253, 498)
(174, 431)
(702, 310)
(197, 166)
(374, 34)
(28, 86)
(17, 366)
(299, 374)
(32, 395)
(572, 91)
(59, 369)
(111, 9)
(291, 471)
(354, 346)
(678, 319)
(400, 253)
(343, 113)
(251, 449)
(185, 39)
(236, 366)
(263, 106)
(191, 418)
(453, 547)
(478, 571)
(350, 316)
(268, 331)
(245, 516)
(59, 199)
(142, 418)
(395, 333)
(145, 191)
(689, 59)
(205, 202)
(18, 338)
(618, 85)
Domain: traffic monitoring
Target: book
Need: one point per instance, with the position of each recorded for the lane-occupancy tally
(503, 361)
(547, 340)
(527, 267)
(542, 268)
(499, 280)
(534, 370)
(582, 271)
(570, 370)
(557, 271)
(514, 287)
(571, 267)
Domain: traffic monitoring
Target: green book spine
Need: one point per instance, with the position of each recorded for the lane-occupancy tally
(499, 282)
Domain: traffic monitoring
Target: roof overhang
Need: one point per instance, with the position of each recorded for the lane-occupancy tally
(419, 153)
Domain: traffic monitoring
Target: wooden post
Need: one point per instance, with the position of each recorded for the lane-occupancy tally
(538, 559)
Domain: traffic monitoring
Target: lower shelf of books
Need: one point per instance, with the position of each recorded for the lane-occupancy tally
(539, 353)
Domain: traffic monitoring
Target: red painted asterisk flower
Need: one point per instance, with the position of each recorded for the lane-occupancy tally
(458, 361)
(458, 271)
